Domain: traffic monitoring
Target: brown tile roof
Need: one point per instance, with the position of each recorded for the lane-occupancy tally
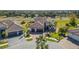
(7, 23)
(2, 26)
(14, 27)
(39, 23)
(11, 26)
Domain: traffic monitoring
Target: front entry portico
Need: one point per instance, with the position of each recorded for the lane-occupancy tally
(38, 31)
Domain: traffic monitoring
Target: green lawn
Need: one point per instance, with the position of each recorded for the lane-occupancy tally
(61, 23)
(71, 28)
(77, 21)
(56, 36)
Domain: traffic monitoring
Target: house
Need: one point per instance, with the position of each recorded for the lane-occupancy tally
(10, 27)
(40, 25)
(74, 36)
(2, 29)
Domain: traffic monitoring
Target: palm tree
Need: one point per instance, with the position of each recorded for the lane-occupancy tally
(25, 26)
(41, 43)
(38, 43)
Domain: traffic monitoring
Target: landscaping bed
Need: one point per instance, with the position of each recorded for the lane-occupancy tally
(51, 39)
(29, 38)
(3, 44)
(54, 37)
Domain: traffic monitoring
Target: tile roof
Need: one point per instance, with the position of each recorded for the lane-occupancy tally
(10, 26)
(14, 27)
(7, 22)
(39, 23)
(2, 26)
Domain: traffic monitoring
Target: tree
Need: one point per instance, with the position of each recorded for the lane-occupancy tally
(25, 26)
(63, 31)
(73, 20)
(23, 22)
(41, 43)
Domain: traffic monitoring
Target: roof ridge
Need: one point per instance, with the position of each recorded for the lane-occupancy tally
(40, 23)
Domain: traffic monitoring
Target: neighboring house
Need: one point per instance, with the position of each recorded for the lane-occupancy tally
(40, 25)
(2, 29)
(11, 28)
(74, 36)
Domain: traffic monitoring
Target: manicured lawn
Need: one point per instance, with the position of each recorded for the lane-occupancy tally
(61, 23)
(71, 28)
(56, 36)
(77, 21)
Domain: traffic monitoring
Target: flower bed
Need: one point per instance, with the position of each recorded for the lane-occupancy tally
(51, 39)
(28, 38)
(3, 44)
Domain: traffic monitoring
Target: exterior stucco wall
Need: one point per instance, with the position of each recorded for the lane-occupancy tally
(73, 38)
(13, 34)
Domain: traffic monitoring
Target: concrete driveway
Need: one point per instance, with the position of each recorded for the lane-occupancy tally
(16, 43)
(66, 44)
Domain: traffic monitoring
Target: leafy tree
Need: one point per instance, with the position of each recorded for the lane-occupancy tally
(63, 31)
(73, 20)
(23, 22)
